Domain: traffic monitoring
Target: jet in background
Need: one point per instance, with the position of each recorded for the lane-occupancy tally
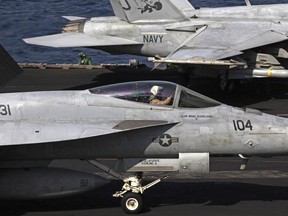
(146, 126)
(227, 43)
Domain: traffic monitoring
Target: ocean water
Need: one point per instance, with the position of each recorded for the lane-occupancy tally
(30, 18)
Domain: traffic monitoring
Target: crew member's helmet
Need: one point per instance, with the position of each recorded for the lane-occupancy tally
(155, 90)
(82, 54)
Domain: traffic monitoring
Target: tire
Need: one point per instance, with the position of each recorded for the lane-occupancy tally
(132, 203)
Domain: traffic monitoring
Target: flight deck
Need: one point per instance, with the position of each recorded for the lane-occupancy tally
(260, 190)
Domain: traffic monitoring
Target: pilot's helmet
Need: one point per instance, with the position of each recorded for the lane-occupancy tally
(82, 54)
(155, 90)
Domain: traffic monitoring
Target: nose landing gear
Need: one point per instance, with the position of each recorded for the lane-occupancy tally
(132, 193)
(132, 189)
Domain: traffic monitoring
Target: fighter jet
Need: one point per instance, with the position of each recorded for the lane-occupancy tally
(228, 43)
(147, 126)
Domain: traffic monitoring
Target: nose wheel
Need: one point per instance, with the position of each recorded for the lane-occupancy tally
(132, 203)
(132, 190)
(132, 193)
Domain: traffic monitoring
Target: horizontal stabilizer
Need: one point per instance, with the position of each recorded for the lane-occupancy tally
(78, 40)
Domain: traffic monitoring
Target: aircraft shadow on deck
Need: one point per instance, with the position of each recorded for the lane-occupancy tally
(164, 194)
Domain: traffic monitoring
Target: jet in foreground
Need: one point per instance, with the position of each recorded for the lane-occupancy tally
(228, 43)
(147, 126)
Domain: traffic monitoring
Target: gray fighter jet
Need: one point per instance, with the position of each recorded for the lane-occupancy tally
(147, 126)
(228, 43)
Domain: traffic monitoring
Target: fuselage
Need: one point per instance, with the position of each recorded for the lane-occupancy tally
(164, 38)
(79, 124)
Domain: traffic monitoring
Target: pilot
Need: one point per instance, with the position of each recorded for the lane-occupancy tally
(84, 60)
(156, 98)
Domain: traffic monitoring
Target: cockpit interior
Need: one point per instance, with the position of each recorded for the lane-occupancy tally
(142, 91)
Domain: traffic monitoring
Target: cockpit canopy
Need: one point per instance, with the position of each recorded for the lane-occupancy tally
(143, 91)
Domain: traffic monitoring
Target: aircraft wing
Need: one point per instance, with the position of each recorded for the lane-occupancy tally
(214, 44)
(78, 40)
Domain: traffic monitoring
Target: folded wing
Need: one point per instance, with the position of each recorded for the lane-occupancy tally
(216, 43)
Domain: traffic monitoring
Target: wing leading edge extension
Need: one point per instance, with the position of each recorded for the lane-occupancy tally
(133, 132)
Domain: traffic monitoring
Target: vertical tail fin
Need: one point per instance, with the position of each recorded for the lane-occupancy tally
(9, 69)
(151, 11)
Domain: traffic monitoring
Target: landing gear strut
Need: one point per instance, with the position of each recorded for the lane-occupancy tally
(132, 190)
(132, 193)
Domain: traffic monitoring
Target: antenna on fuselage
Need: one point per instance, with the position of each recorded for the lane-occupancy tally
(248, 3)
